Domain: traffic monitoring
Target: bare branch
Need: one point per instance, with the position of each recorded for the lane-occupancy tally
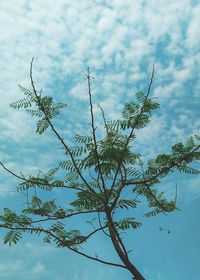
(104, 119)
(94, 133)
(12, 173)
(175, 199)
(95, 231)
(99, 219)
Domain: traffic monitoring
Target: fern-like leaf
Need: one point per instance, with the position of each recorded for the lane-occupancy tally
(12, 237)
(127, 223)
(126, 203)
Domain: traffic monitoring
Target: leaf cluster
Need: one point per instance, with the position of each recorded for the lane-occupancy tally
(43, 107)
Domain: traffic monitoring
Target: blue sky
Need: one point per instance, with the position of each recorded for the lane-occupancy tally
(119, 40)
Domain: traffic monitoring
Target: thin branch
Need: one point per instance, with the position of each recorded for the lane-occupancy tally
(95, 179)
(152, 194)
(174, 164)
(156, 200)
(33, 182)
(93, 232)
(132, 130)
(175, 199)
(104, 119)
(123, 180)
(93, 131)
(53, 218)
(56, 238)
(99, 219)
(12, 173)
(55, 131)
(145, 182)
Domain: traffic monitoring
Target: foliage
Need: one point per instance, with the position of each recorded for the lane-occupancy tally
(97, 170)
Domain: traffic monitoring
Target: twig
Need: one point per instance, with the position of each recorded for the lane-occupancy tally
(174, 164)
(93, 232)
(56, 238)
(175, 199)
(93, 132)
(123, 180)
(53, 218)
(33, 182)
(104, 119)
(55, 131)
(132, 130)
(99, 219)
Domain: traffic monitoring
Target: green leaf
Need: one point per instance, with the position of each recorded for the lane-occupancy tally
(36, 202)
(88, 201)
(83, 139)
(22, 103)
(153, 213)
(126, 223)
(12, 237)
(35, 113)
(126, 203)
(29, 93)
(47, 239)
(42, 125)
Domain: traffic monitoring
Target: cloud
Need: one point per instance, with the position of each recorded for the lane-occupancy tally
(192, 30)
(11, 268)
(119, 40)
(38, 268)
(38, 250)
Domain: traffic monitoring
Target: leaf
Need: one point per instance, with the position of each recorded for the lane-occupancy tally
(49, 207)
(12, 237)
(42, 125)
(21, 103)
(69, 165)
(47, 239)
(88, 201)
(52, 172)
(36, 202)
(126, 203)
(83, 139)
(35, 113)
(126, 223)
(153, 213)
(27, 92)
(72, 176)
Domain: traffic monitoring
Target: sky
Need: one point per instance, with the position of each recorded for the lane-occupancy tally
(119, 40)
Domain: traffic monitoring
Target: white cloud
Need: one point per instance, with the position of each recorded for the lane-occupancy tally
(119, 40)
(193, 29)
(11, 268)
(79, 91)
(68, 33)
(116, 38)
(38, 268)
(38, 250)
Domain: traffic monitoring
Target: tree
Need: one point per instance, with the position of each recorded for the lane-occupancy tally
(98, 170)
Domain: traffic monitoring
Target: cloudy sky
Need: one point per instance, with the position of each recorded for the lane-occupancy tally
(119, 40)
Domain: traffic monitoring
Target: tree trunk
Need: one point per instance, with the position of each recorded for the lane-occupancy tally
(122, 255)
